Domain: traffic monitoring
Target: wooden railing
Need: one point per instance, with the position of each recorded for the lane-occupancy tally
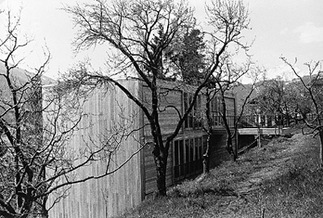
(217, 121)
(266, 121)
(256, 121)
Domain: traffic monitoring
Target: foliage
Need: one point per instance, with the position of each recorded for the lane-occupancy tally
(187, 54)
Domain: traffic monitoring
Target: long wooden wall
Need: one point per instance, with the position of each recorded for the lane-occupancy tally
(172, 95)
(168, 118)
(218, 148)
(108, 110)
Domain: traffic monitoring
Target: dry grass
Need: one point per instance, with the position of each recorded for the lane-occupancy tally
(281, 179)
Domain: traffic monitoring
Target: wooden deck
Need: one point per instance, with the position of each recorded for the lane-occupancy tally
(262, 131)
(257, 132)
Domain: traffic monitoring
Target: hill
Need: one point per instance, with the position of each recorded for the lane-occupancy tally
(18, 77)
(281, 179)
(21, 76)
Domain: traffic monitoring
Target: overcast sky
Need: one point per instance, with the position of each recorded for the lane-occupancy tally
(290, 28)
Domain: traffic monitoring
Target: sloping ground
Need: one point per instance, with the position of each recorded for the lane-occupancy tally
(282, 179)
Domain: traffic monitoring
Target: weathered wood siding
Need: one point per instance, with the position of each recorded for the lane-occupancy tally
(218, 151)
(108, 109)
(150, 173)
(172, 95)
(168, 117)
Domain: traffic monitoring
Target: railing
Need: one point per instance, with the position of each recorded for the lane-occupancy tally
(256, 120)
(266, 121)
(217, 121)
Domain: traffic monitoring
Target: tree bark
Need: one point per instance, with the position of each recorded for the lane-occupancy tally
(235, 148)
(161, 164)
(321, 147)
(230, 148)
(206, 159)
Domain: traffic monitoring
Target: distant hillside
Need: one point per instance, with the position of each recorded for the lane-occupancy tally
(18, 77)
(21, 76)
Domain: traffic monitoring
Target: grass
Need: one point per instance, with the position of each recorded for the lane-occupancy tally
(282, 179)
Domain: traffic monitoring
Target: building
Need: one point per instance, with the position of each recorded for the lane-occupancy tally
(107, 109)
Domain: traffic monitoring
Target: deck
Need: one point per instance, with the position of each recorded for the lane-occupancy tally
(262, 131)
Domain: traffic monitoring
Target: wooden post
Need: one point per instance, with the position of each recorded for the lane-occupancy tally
(258, 132)
(237, 144)
(259, 138)
(321, 146)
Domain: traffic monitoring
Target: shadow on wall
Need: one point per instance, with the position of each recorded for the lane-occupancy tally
(246, 140)
(218, 151)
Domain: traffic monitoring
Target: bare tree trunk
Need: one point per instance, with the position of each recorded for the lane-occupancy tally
(229, 145)
(161, 165)
(321, 147)
(230, 148)
(235, 150)
(206, 159)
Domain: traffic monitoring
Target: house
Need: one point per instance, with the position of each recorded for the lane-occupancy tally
(110, 111)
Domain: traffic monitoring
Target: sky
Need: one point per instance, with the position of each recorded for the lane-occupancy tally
(289, 28)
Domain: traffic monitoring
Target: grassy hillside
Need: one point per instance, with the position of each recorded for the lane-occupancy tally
(282, 179)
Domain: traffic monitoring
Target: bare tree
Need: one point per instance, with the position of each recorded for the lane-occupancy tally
(312, 83)
(137, 33)
(221, 87)
(210, 94)
(278, 99)
(35, 126)
(228, 77)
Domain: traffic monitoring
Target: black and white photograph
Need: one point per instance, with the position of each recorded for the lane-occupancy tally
(161, 108)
